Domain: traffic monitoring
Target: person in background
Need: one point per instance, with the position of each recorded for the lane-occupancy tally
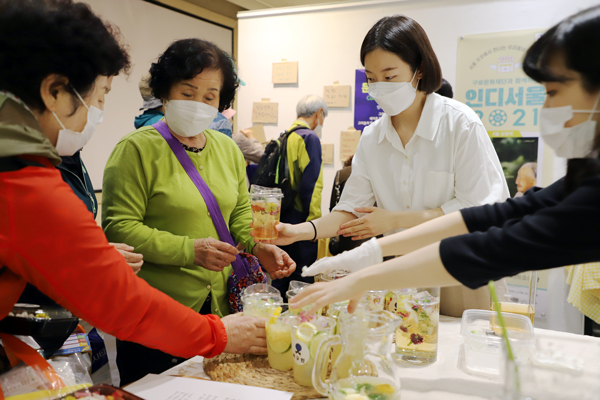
(545, 228)
(446, 89)
(306, 178)
(339, 244)
(153, 107)
(151, 203)
(53, 89)
(222, 124)
(526, 178)
(251, 148)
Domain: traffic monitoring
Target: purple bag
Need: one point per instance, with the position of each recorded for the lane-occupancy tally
(246, 268)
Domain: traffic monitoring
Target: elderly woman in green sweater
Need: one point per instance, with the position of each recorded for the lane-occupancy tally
(152, 204)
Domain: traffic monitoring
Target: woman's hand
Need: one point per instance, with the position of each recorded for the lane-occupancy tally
(276, 262)
(245, 334)
(134, 260)
(321, 294)
(377, 222)
(213, 254)
(288, 234)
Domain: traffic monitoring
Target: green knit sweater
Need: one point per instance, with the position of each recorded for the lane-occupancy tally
(150, 203)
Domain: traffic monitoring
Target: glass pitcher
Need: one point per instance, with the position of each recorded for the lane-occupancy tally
(365, 366)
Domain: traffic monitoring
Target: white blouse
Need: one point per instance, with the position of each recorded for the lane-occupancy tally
(449, 162)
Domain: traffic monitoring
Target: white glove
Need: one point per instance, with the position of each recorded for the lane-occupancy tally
(367, 254)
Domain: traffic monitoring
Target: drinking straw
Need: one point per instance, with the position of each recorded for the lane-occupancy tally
(509, 351)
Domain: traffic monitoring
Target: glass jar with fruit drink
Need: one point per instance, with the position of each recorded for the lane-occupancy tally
(266, 211)
(306, 338)
(279, 340)
(417, 336)
(374, 300)
(365, 369)
(331, 276)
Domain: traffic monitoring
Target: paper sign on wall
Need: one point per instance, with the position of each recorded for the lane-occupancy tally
(264, 112)
(285, 72)
(327, 150)
(348, 143)
(337, 95)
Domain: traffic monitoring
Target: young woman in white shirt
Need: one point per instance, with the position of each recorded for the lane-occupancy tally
(427, 156)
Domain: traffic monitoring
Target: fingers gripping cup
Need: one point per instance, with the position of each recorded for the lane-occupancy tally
(266, 211)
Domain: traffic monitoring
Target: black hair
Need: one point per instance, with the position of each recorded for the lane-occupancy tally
(404, 37)
(43, 37)
(186, 58)
(446, 89)
(577, 40)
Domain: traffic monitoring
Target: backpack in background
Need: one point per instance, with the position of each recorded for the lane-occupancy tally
(273, 169)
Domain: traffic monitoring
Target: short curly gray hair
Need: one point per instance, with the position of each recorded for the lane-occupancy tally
(310, 104)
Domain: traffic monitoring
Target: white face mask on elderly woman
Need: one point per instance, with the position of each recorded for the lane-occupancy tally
(69, 141)
(573, 142)
(189, 118)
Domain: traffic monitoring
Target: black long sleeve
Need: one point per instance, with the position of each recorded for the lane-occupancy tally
(541, 230)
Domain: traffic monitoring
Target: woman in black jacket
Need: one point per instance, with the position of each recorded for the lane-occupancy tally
(546, 228)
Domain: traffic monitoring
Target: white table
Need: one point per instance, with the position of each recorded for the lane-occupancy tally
(442, 380)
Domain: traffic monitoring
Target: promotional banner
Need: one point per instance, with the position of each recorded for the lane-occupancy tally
(490, 80)
(366, 110)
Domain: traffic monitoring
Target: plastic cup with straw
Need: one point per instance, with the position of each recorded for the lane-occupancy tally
(509, 351)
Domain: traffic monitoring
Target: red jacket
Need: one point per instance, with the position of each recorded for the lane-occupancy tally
(49, 239)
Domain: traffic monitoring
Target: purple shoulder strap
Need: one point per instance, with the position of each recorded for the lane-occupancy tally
(239, 267)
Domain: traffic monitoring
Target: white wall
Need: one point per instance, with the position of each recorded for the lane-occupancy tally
(326, 42)
(148, 29)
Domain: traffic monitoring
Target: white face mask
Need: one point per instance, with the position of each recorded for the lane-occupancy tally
(319, 129)
(69, 141)
(393, 97)
(189, 118)
(573, 142)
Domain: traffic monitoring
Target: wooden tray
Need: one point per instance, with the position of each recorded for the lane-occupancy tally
(252, 370)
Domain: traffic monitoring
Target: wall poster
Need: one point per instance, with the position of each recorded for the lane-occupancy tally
(490, 80)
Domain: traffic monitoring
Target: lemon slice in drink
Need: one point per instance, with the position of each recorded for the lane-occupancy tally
(279, 338)
(305, 332)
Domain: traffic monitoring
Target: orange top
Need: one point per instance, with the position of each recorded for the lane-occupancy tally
(49, 239)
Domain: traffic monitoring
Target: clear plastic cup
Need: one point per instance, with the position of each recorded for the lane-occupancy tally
(262, 305)
(266, 211)
(306, 338)
(260, 288)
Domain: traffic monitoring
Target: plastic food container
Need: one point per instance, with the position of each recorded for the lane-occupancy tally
(33, 320)
(482, 336)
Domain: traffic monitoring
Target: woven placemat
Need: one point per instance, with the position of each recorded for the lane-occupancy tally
(252, 370)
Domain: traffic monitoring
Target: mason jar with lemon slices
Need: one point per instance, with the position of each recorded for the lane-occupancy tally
(306, 338)
(279, 340)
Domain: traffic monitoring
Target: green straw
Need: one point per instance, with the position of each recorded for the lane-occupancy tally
(509, 352)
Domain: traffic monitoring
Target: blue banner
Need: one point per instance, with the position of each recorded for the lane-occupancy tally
(366, 110)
